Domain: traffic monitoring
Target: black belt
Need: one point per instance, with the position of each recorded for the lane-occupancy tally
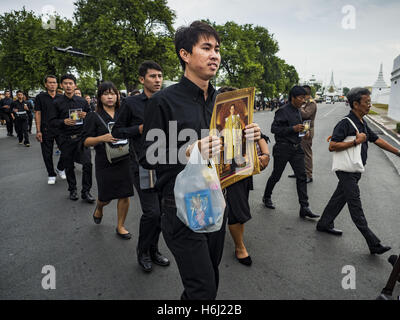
(295, 145)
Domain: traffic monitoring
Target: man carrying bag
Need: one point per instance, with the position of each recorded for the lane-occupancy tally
(348, 168)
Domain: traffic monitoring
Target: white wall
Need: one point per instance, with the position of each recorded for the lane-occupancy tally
(394, 103)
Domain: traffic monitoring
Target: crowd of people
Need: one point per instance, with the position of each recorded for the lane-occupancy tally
(118, 129)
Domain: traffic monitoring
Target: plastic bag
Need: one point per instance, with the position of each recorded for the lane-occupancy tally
(199, 199)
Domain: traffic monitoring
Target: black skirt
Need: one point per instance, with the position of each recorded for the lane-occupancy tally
(114, 181)
(237, 201)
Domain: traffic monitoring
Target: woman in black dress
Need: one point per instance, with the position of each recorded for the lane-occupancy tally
(113, 179)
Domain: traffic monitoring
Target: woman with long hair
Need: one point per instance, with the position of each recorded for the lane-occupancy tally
(113, 179)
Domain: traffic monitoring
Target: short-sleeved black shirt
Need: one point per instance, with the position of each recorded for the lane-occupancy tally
(344, 129)
(43, 103)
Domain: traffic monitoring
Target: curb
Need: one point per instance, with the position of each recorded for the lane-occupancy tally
(395, 137)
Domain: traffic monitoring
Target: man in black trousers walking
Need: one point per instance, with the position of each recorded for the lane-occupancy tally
(347, 190)
(130, 125)
(286, 126)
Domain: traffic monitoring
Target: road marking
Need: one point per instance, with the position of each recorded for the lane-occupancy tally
(324, 116)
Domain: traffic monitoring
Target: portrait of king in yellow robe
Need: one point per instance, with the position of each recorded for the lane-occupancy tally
(233, 136)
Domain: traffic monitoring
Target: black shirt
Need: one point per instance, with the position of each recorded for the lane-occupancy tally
(62, 105)
(6, 102)
(285, 119)
(344, 129)
(43, 103)
(182, 104)
(94, 127)
(129, 120)
(17, 108)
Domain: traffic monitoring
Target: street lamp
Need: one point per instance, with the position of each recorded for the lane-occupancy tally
(78, 53)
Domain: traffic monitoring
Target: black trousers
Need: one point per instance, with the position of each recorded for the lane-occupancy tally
(197, 255)
(47, 152)
(30, 120)
(347, 191)
(284, 153)
(21, 127)
(9, 121)
(71, 152)
(150, 228)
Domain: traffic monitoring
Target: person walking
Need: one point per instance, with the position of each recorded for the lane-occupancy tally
(5, 112)
(188, 105)
(347, 190)
(130, 125)
(113, 179)
(68, 116)
(286, 126)
(45, 134)
(20, 117)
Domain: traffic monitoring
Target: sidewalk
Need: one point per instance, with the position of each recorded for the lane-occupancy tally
(388, 127)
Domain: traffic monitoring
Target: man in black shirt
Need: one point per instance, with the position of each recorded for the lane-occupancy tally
(45, 134)
(187, 106)
(348, 190)
(5, 112)
(130, 125)
(286, 126)
(20, 116)
(68, 115)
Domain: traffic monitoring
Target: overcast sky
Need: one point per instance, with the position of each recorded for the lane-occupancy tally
(310, 33)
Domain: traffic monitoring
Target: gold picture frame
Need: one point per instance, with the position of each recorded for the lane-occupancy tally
(233, 110)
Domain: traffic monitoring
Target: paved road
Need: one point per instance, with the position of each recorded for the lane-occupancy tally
(41, 226)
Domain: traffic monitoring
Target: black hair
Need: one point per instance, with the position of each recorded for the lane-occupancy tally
(68, 76)
(135, 92)
(20, 91)
(187, 37)
(226, 89)
(356, 94)
(308, 89)
(49, 76)
(146, 65)
(104, 87)
(297, 91)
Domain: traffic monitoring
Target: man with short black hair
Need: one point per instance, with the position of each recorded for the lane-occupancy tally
(19, 114)
(45, 134)
(68, 115)
(286, 126)
(5, 112)
(130, 125)
(188, 105)
(347, 190)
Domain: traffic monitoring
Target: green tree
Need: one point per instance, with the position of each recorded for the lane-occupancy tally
(127, 32)
(346, 91)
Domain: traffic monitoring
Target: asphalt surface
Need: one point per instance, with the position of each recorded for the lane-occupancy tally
(41, 226)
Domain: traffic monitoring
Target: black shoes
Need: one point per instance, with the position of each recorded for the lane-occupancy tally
(333, 231)
(97, 220)
(73, 195)
(309, 180)
(306, 212)
(88, 197)
(158, 258)
(268, 203)
(379, 249)
(245, 261)
(291, 176)
(125, 236)
(144, 261)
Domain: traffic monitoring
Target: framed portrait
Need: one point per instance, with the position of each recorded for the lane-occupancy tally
(233, 111)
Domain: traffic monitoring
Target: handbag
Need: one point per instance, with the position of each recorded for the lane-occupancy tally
(115, 152)
(348, 160)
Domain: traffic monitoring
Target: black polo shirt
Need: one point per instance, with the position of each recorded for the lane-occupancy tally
(129, 120)
(182, 105)
(285, 119)
(17, 106)
(62, 105)
(43, 103)
(344, 129)
(5, 102)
